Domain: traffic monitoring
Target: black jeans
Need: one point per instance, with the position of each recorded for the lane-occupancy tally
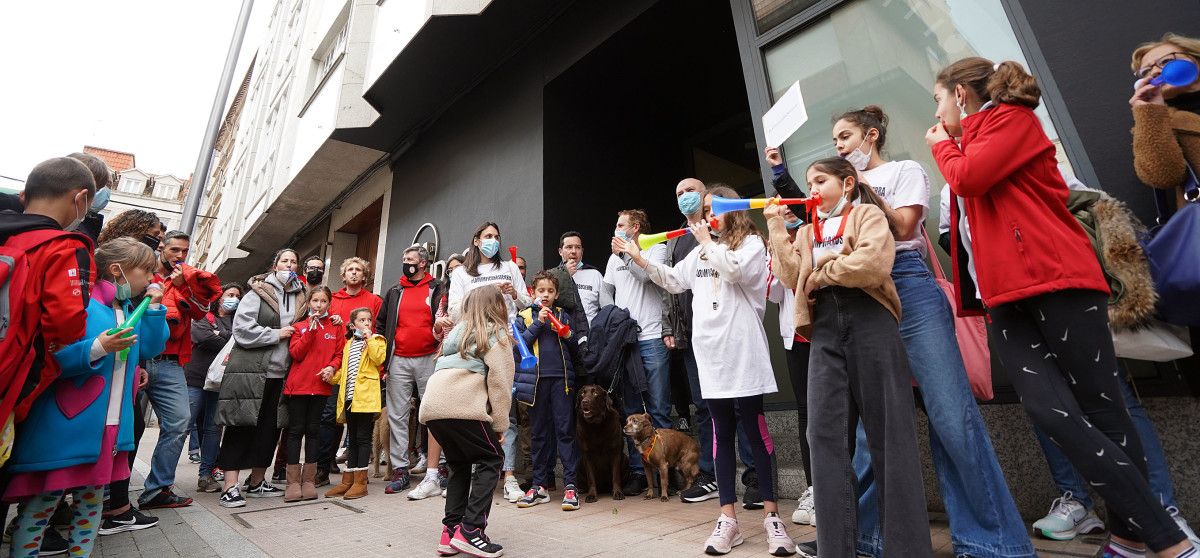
(797, 364)
(304, 423)
(331, 433)
(1058, 352)
(468, 495)
(359, 428)
(858, 370)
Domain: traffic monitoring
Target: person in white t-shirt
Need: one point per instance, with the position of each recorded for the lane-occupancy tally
(633, 291)
(484, 267)
(984, 519)
(728, 280)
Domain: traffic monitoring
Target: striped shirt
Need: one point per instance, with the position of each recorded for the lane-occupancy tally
(352, 363)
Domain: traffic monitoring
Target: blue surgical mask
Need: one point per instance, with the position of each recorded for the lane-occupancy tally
(124, 291)
(689, 203)
(489, 247)
(620, 234)
(358, 334)
(793, 226)
(229, 304)
(101, 199)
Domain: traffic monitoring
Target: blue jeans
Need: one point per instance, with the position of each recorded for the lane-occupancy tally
(704, 425)
(168, 394)
(657, 363)
(510, 439)
(983, 517)
(204, 413)
(1068, 479)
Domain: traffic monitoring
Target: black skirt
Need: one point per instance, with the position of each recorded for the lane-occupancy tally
(250, 447)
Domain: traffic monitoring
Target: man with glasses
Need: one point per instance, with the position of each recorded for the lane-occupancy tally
(314, 270)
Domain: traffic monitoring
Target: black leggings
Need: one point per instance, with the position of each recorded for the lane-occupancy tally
(797, 363)
(304, 423)
(359, 428)
(726, 413)
(1058, 352)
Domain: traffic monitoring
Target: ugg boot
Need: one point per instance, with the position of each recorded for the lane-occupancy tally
(292, 492)
(343, 487)
(308, 482)
(360, 485)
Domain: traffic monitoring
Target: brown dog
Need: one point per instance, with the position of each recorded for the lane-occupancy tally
(601, 446)
(661, 450)
(381, 442)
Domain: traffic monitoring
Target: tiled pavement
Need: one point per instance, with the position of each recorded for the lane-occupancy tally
(390, 525)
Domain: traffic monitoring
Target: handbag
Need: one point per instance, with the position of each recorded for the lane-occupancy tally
(971, 333)
(1158, 342)
(216, 370)
(1173, 251)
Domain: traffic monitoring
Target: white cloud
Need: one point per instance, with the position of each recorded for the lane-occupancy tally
(130, 75)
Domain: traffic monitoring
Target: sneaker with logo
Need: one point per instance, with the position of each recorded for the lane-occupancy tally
(444, 548)
(218, 475)
(1067, 518)
(570, 498)
(399, 481)
(512, 490)
(536, 495)
(131, 520)
(165, 499)
(421, 467)
(264, 490)
(1183, 525)
(475, 543)
(778, 541)
(53, 543)
(724, 537)
(232, 498)
(426, 488)
(806, 510)
(807, 549)
(705, 488)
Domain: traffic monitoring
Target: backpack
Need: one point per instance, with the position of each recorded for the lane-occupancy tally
(19, 341)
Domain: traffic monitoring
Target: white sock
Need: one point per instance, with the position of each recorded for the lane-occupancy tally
(1189, 553)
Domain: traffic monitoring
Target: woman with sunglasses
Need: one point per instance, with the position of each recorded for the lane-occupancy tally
(1166, 118)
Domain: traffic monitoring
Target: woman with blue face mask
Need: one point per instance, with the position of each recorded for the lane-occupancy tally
(483, 266)
(209, 336)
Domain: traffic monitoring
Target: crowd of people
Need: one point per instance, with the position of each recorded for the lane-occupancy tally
(284, 378)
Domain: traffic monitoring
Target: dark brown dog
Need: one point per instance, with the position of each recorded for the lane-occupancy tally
(601, 446)
(661, 450)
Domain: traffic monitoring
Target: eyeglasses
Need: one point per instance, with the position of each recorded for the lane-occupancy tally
(314, 268)
(1143, 72)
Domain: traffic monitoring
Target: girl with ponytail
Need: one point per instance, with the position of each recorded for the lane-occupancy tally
(1043, 289)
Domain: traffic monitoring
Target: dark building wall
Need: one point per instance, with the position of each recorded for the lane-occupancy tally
(1086, 46)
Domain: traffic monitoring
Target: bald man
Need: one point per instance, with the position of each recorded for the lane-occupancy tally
(677, 328)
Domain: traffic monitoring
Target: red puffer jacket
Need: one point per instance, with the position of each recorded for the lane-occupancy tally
(1024, 241)
(313, 349)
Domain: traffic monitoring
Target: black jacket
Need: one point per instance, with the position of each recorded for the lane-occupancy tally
(786, 187)
(208, 338)
(677, 308)
(385, 322)
(612, 355)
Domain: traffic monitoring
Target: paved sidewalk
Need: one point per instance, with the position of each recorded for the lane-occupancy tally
(390, 525)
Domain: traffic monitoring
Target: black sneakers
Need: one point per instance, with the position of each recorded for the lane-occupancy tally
(53, 543)
(751, 498)
(635, 485)
(165, 499)
(232, 498)
(264, 490)
(705, 488)
(475, 543)
(131, 520)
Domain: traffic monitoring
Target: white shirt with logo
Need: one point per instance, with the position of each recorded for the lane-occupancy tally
(462, 283)
(642, 298)
(729, 299)
(830, 241)
(902, 184)
(588, 282)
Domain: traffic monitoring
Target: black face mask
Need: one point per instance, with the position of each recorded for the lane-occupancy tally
(411, 271)
(314, 276)
(151, 241)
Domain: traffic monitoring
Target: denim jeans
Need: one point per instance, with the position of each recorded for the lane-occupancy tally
(193, 435)
(704, 425)
(169, 395)
(1068, 479)
(656, 361)
(510, 439)
(983, 517)
(208, 439)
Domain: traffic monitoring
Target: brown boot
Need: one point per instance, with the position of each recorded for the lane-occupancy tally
(292, 492)
(343, 487)
(308, 483)
(360, 485)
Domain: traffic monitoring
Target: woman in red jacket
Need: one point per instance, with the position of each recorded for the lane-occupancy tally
(1045, 294)
(315, 347)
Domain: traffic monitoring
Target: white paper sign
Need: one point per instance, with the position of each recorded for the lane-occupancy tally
(785, 117)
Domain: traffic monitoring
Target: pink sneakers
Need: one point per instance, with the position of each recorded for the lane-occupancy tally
(724, 537)
(444, 548)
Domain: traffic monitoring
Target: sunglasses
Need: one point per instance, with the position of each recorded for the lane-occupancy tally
(1143, 72)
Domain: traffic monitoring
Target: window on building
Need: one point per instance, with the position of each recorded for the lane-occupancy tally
(166, 190)
(131, 185)
(769, 13)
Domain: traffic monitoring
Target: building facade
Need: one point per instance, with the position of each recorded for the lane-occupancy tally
(371, 125)
(136, 188)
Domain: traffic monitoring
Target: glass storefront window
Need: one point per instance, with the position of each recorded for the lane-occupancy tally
(769, 13)
(886, 53)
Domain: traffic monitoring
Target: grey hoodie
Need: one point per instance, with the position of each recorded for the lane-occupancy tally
(250, 334)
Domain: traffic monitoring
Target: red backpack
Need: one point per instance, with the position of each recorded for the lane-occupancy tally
(18, 325)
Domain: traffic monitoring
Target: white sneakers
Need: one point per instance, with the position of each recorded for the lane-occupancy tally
(778, 541)
(429, 487)
(512, 490)
(1183, 525)
(724, 537)
(806, 511)
(1067, 518)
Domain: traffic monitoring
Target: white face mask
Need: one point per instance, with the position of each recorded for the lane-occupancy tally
(78, 219)
(284, 276)
(859, 159)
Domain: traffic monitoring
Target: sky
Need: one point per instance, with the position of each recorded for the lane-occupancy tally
(131, 75)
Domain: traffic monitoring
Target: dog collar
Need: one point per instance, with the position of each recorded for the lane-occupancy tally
(653, 442)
